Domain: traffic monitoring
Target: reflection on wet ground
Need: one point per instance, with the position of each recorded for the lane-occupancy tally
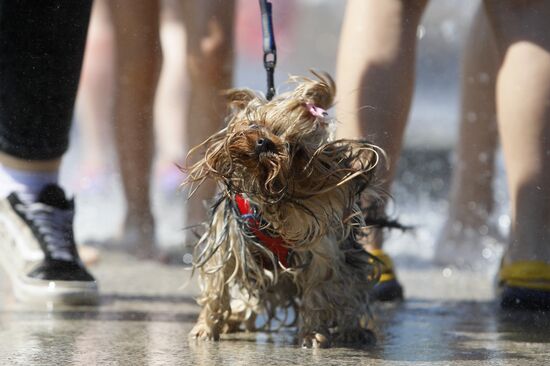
(421, 330)
(145, 320)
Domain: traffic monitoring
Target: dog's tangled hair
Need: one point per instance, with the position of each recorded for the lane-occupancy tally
(285, 181)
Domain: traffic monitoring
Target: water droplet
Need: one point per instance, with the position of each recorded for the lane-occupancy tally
(447, 272)
(483, 78)
(487, 253)
(457, 226)
(504, 222)
(187, 258)
(420, 31)
(483, 230)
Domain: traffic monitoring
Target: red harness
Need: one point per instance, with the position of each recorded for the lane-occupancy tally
(275, 244)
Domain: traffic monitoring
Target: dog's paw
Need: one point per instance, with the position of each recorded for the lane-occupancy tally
(231, 326)
(204, 332)
(315, 340)
(358, 337)
(240, 322)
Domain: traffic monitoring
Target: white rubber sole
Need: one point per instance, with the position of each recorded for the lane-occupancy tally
(56, 292)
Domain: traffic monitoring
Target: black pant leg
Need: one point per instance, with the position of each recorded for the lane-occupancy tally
(41, 50)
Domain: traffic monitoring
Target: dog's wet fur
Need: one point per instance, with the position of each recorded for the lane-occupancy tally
(305, 188)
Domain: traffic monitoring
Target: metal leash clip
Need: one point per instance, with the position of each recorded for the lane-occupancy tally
(270, 50)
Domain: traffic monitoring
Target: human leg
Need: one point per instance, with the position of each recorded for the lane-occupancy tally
(138, 61)
(522, 35)
(41, 50)
(171, 93)
(209, 27)
(471, 197)
(375, 77)
(94, 104)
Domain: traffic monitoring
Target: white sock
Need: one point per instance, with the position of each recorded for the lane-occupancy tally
(27, 184)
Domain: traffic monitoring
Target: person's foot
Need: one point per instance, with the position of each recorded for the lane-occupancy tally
(88, 254)
(525, 285)
(388, 289)
(465, 247)
(38, 251)
(137, 237)
(176, 255)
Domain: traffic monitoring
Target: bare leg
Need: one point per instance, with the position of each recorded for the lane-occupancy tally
(95, 93)
(523, 90)
(138, 63)
(209, 26)
(471, 199)
(375, 75)
(30, 165)
(172, 88)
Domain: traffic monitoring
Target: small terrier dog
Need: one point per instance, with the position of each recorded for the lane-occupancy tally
(283, 231)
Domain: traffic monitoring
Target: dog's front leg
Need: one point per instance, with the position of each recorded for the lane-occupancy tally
(313, 324)
(238, 319)
(211, 320)
(316, 315)
(216, 308)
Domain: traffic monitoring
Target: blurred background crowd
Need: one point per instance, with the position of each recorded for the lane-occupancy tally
(307, 34)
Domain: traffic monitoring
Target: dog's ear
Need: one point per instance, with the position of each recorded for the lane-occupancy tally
(319, 92)
(238, 99)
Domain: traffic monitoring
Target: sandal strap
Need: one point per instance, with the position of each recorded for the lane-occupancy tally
(526, 274)
(388, 273)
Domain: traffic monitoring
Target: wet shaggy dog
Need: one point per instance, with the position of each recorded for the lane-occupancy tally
(282, 232)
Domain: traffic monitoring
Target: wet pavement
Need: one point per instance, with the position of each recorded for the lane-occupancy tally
(147, 310)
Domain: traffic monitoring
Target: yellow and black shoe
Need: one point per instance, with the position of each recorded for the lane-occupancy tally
(388, 288)
(525, 285)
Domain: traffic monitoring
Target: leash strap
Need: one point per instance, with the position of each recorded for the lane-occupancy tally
(270, 50)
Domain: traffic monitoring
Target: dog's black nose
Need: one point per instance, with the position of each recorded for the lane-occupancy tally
(264, 145)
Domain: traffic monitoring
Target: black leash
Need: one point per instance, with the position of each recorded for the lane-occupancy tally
(270, 51)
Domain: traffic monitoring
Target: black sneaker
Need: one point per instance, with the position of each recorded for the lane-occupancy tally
(38, 251)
